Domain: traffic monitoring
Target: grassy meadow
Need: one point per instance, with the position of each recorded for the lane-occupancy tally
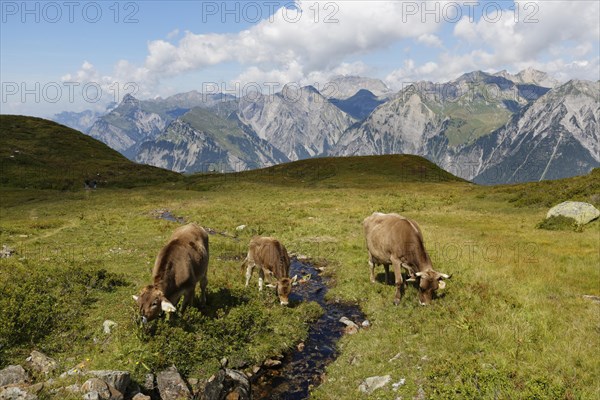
(511, 324)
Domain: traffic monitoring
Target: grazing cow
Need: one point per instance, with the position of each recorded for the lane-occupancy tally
(179, 266)
(273, 259)
(393, 239)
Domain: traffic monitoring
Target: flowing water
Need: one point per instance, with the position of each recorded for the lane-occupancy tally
(302, 370)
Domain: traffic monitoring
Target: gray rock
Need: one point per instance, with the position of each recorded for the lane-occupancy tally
(148, 384)
(74, 388)
(396, 386)
(141, 396)
(115, 394)
(98, 386)
(582, 213)
(13, 374)
(41, 363)
(117, 379)
(348, 322)
(171, 386)
(93, 395)
(595, 299)
(373, 383)
(71, 372)
(421, 394)
(240, 228)
(108, 325)
(6, 251)
(16, 393)
(227, 384)
(271, 363)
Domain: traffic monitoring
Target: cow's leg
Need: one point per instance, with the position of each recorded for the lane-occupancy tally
(203, 285)
(372, 268)
(261, 278)
(249, 268)
(387, 273)
(188, 298)
(399, 282)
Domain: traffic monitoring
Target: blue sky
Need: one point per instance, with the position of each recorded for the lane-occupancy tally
(51, 50)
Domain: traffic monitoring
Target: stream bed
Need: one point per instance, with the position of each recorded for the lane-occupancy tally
(302, 370)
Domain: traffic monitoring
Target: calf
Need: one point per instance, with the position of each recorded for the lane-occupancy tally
(393, 239)
(273, 259)
(179, 266)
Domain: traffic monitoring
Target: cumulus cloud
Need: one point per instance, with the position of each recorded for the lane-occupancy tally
(518, 38)
(304, 48)
(287, 46)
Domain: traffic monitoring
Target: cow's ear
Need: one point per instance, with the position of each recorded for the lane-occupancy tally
(167, 306)
(135, 298)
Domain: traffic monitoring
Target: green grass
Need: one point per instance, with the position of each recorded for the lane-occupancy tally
(470, 118)
(37, 153)
(512, 324)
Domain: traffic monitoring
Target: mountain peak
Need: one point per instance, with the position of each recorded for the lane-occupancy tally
(347, 86)
(129, 99)
(530, 76)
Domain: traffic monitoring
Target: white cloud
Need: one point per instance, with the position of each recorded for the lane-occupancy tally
(309, 51)
(430, 39)
(410, 73)
(173, 34)
(286, 47)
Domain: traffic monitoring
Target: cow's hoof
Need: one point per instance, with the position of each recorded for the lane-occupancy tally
(396, 302)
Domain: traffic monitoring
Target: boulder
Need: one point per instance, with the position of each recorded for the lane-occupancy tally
(117, 379)
(16, 393)
(171, 386)
(582, 213)
(228, 384)
(141, 396)
(41, 363)
(13, 374)
(373, 383)
(96, 388)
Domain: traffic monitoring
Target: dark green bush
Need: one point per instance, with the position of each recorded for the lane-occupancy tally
(39, 304)
(559, 223)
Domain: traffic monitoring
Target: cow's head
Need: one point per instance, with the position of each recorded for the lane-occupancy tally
(429, 282)
(284, 288)
(152, 302)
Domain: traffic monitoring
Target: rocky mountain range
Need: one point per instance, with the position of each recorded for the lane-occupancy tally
(490, 128)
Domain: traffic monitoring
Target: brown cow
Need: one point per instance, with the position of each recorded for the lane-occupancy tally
(393, 239)
(179, 266)
(273, 259)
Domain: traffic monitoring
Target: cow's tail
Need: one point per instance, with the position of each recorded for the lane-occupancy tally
(244, 264)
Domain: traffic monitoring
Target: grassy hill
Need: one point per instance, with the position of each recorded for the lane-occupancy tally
(551, 192)
(38, 153)
(335, 172)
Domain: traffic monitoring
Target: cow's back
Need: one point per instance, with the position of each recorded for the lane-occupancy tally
(183, 260)
(390, 235)
(271, 254)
